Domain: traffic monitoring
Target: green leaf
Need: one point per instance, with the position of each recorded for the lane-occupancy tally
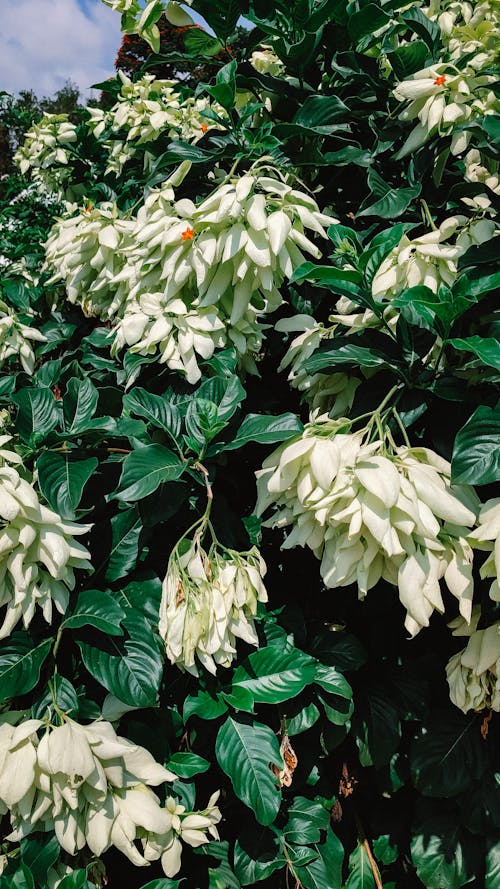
(62, 693)
(272, 675)
(245, 752)
(37, 414)
(142, 597)
(345, 352)
(476, 453)
(428, 30)
(96, 608)
(221, 15)
(385, 849)
(408, 59)
(487, 349)
(20, 664)
(321, 113)
(154, 408)
(39, 854)
(251, 870)
(332, 681)
(79, 405)
(126, 529)
(324, 871)
(62, 479)
(203, 705)
(186, 765)
(360, 870)
(145, 469)
(134, 674)
(264, 429)
(392, 202)
(438, 853)
(492, 865)
(77, 879)
(366, 21)
(304, 720)
(306, 819)
(448, 756)
(199, 43)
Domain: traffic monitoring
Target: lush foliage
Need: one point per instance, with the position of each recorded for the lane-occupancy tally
(286, 271)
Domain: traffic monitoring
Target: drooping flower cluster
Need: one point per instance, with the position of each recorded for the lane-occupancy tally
(440, 98)
(331, 394)
(146, 109)
(487, 537)
(93, 788)
(83, 249)
(209, 600)
(38, 550)
(476, 170)
(44, 152)
(16, 339)
(467, 28)
(474, 673)
(265, 61)
(371, 511)
(187, 278)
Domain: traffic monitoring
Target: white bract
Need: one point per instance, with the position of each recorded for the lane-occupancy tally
(45, 153)
(370, 512)
(38, 550)
(474, 673)
(442, 97)
(487, 537)
(209, 599)
(16, 339)
(265, 61)
(193, 828)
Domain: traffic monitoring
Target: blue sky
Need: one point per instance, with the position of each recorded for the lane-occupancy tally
(43, 43)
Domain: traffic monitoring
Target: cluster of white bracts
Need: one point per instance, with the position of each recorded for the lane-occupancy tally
(265, 61)
(84, 252)
(487, 537)
(474, 673)
(369, 512)
(331, 394)
(441, 98)
(16, 339)
(209, 599)
(93, 788)
(38, 552)
(44, 152)
(145, 110)
(467, 28)
(183, 279)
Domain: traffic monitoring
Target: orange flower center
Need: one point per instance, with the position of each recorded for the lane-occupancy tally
(88, 208)
(204, 127)
(440, 80)
(188, 235)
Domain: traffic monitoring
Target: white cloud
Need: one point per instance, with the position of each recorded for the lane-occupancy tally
(43, 43)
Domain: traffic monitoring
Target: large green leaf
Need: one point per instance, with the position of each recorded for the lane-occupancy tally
(39, 854)
(272, 675)
(145, 469)
(487, 349)
(306, 820)
(263, 429)
(447, 757)
(37, 414)
(126, 529)
(252, 870)
(245, 752)
(154, 408)
(62, 480)
(366, 21)
(325, 870)
(321, 113)
(96, 608)
(390, 202)
(80, 402)
(186, 765)
(437, 851)
(20, 664)
(476, 453)
(133, 675)
(361, 874)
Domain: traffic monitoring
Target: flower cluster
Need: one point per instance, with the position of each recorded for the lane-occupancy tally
(93, 788)
(38, 552)
(477, 171)
(142, 20)
(209, 599)
(467, 28)
(372, 511)
(441, 97)
(146, 109)
(183, 279)
(16, 339)
(83, 251)
(265, 61)
(331, 394)
(474, 673)
(45, 153)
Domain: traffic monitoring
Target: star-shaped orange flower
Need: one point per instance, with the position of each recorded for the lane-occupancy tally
(440, 80)
(188, 234)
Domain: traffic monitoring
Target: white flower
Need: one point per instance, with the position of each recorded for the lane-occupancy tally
(265, 61)
(474, 673)
(38, 551)
(185, 827)
(209, 599)
(369, 512)
(45, 152)
(487, 537)
(16, 339)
